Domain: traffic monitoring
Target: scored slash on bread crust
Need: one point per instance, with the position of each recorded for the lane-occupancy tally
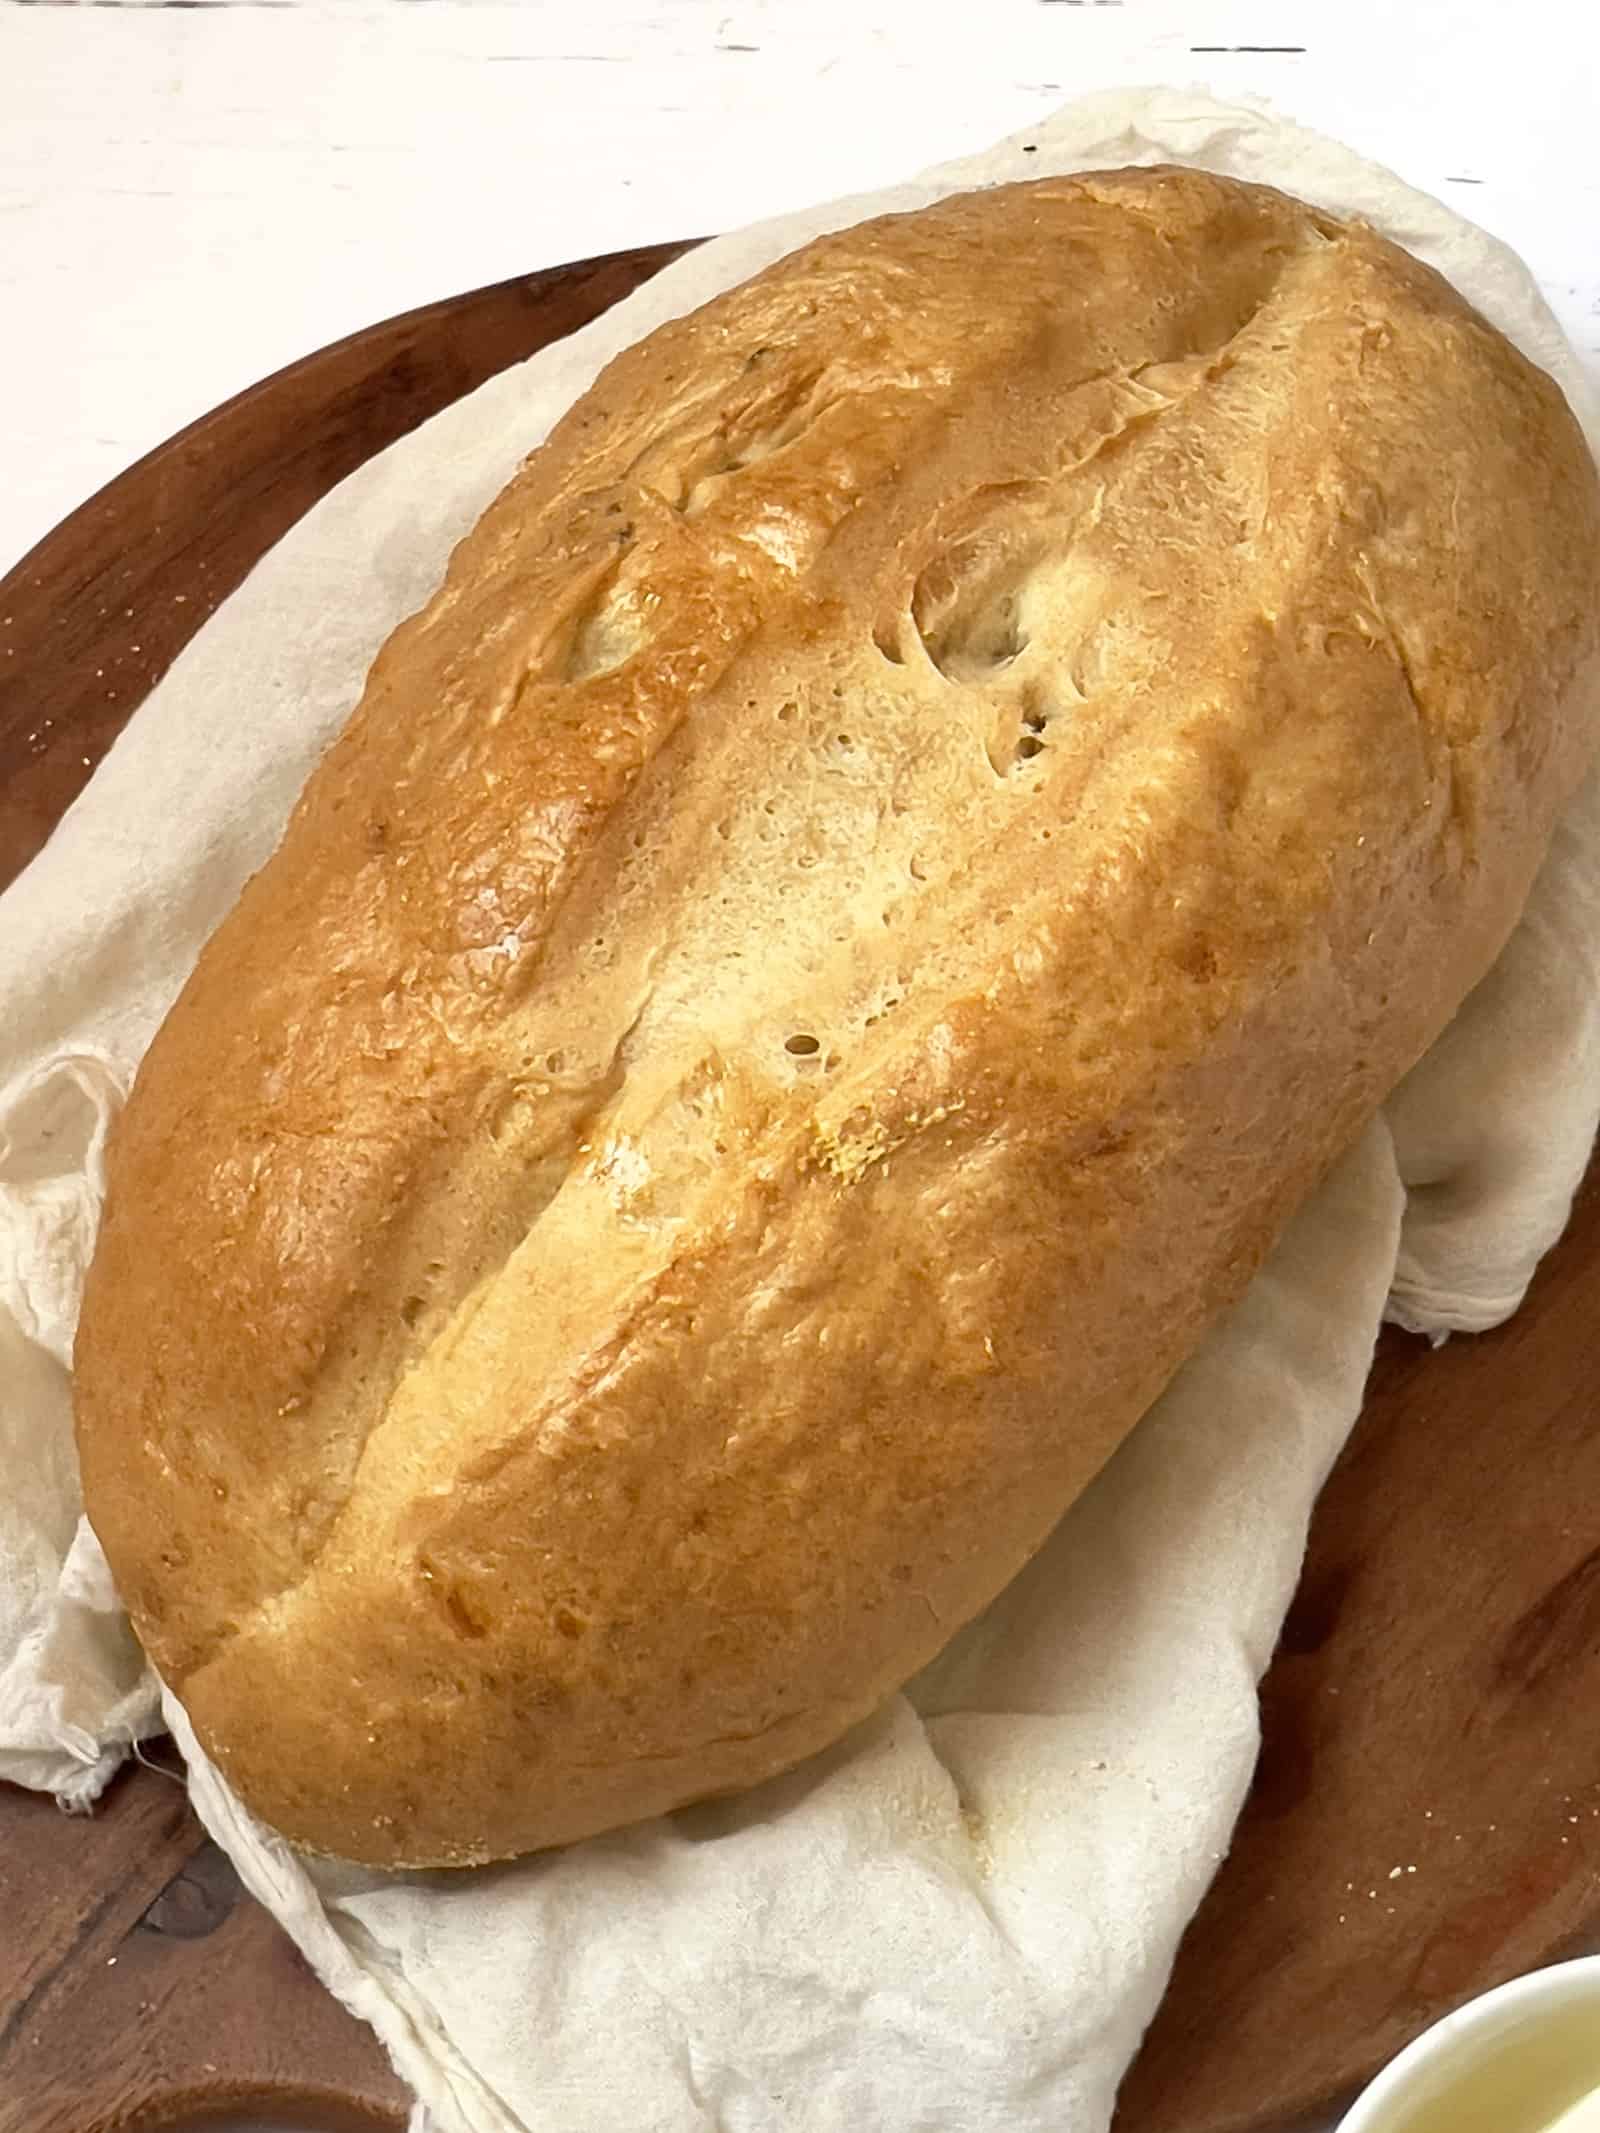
(911, 834)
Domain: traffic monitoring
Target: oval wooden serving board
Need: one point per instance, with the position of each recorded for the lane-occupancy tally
(1425, 1819)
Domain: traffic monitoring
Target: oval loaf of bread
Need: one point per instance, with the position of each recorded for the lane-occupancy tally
(909, 837)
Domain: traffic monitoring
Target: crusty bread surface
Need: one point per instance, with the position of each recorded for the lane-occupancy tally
(910, 836)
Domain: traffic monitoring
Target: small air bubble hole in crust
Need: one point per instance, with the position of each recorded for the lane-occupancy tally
(412, 1309)
(966, 606)
(469, 1618)
(606, 635)
(802, 1045)
(748, 442)
(1030, 740)
(462, 1609)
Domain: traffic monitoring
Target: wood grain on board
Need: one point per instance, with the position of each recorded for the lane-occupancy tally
(1426, 1816)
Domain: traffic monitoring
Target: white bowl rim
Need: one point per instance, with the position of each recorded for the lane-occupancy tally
(1554, 1983)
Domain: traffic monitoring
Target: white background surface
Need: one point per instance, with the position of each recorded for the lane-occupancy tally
(192, 196)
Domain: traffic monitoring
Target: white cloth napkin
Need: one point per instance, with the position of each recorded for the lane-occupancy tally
(963, 1916)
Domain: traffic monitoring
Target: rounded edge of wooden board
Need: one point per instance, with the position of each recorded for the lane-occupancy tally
(95, 613)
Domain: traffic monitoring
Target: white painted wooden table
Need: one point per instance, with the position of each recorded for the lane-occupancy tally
(191, 196)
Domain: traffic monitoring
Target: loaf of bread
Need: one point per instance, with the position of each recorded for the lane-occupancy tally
(910, 836)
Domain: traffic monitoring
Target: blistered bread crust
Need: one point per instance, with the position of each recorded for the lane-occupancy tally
(909, 837)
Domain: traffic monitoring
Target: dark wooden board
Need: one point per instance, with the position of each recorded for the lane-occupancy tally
(1425, 1820)
(141, 1987)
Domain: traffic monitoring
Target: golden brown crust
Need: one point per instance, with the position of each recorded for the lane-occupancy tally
(911, 834)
